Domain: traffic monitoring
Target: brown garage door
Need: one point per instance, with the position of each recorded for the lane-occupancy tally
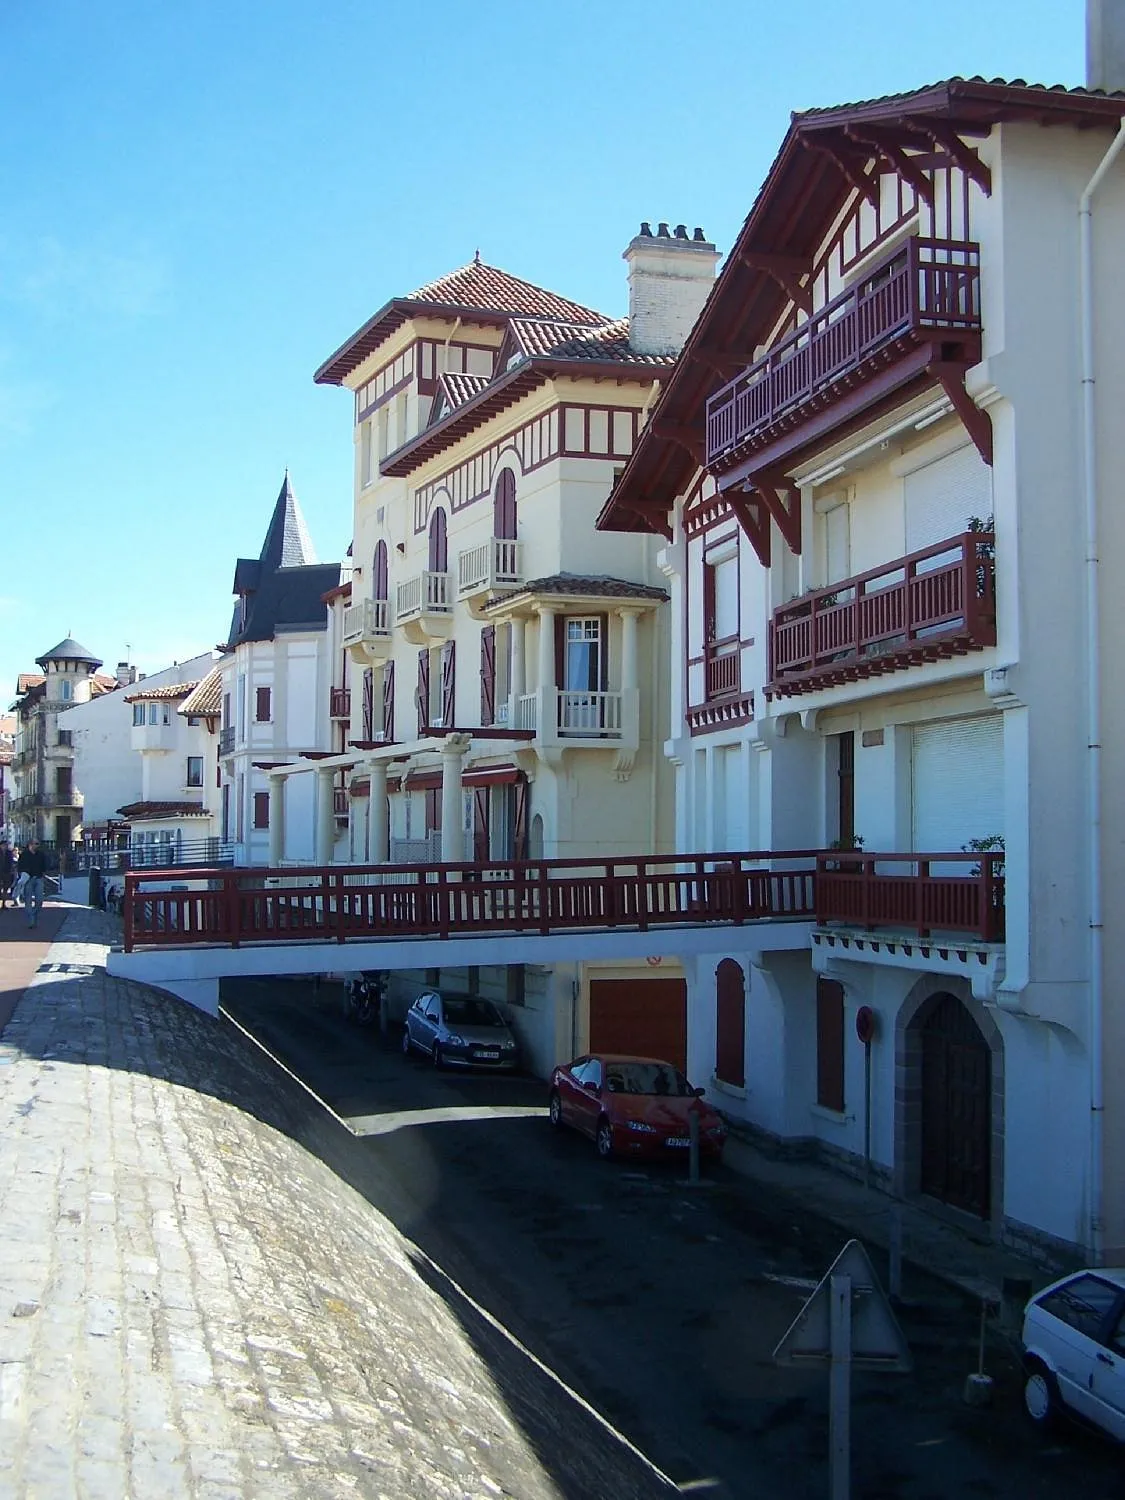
(643, 1016)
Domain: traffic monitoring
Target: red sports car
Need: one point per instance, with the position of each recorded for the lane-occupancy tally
(633, 1106)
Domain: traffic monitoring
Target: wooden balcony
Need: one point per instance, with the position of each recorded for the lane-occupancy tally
(925, 293)
(367, 630)
(915, 893)
(930, 605)
(340, 704)
(495, 564)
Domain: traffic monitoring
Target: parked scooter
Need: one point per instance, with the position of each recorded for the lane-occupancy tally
(363, 996)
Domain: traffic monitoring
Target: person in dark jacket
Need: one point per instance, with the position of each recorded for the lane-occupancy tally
(7, 871)
(33, 864)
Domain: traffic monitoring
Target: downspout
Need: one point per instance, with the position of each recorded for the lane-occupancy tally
(1093, 694)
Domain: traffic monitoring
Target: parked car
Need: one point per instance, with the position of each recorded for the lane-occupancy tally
(633, 1106)
(464, 1030)
(1074, 1350)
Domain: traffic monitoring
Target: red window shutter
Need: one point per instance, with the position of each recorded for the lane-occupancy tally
(439, 556)
(433, 809)
(389, 701)
(519, 820)
(422, 691)
(560, 651)
(448, 684)
(261, 809)
(488, 675)
(262, 705)
(830, 1044)
(379, 573)
(603, 650)
(480, 824)
(504, 507)
(368, 703)
(730, 1023)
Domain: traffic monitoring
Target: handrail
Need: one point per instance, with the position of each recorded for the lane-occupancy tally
(851, 889)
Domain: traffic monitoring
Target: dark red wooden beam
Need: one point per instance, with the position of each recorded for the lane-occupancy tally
(946, 136)
(977, 423)
(755, 523)
(895, 157)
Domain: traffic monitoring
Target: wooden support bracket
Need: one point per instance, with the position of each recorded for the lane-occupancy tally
(687, 438)
(896, 158)
(783, 501)
(754, 521)
(977, 423)
(962, 155)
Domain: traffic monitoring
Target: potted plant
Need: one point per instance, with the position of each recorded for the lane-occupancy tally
(846, 866)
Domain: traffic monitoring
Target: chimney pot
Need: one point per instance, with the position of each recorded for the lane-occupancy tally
(669, 279)
(662, 231)
(646, 229)
(681, 232)
(699, 236)
(1105, 45)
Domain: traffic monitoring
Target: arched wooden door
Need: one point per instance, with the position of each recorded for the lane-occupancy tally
(504, 507)
(439, 555)
(379, 573)
(956, 1108)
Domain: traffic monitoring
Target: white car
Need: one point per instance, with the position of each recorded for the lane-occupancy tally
(1074, 1350)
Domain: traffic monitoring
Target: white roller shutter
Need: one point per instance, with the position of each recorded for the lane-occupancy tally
(941, 497)
(958, 783)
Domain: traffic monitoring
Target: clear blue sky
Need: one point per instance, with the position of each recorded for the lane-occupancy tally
(202, 199)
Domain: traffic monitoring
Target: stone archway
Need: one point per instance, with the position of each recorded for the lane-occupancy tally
(949, 1103)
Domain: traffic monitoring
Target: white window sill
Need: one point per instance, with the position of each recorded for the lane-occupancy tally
(720, 1085)
(832, 1115)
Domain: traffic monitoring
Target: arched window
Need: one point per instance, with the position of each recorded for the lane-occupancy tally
(439, 552)
(504, 507)
(379, 572)
(730, 1023)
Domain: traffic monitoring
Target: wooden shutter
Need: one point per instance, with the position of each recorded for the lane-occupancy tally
(389, 701)
(519, 819)
(448, 684)
(261, 808)
(439, 555)
(603, 651)
(830, 1045)
(504, 507)
(368, 703)
(488, 675)
(480, 824)
(262, 705)
(422, 691)
(730, 1023)
(379, 578)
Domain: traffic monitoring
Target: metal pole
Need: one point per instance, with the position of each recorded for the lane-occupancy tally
(896, 1253)
(867, 1114)
(693, 1145)
(840, 1387)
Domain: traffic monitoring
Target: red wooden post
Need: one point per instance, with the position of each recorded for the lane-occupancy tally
(544, 913)
(230, 904)
(130, 896)
(922, 888)
(340, 923)
(444, 898)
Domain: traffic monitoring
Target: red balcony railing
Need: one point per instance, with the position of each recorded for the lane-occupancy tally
(918, 893)
(722, 660)
(935, 603)
(923, 288)
(340, 706)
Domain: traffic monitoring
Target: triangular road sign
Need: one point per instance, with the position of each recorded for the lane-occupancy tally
(878, 1342)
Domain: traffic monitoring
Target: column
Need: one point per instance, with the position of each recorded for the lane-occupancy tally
(547, 715)
(452, 814)
(325, 817)
(629, 672)
(518, 685)
(378, 842)
(277, 820)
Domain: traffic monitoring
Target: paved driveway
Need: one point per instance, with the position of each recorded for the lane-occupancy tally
(659, 1304)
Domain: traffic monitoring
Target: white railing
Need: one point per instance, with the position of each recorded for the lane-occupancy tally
(500, 717)
(425, 593)
(365, 620)
(527, 711)
(590, 713)
(495, 562)
(423, 851)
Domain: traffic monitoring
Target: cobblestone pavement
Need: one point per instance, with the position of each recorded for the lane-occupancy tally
(192, 1304)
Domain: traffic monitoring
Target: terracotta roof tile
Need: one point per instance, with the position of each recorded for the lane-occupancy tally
(205, 699)
(484, 288)
(28, 680)
(543, 339)
(582, 586)
(168, 691)
(457, 389)
(951, 83)
(137, 811)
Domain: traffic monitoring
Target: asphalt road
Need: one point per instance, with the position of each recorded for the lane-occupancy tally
(661, 1305)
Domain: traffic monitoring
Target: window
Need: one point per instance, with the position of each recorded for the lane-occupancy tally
(63, 782)
(582, 664)
(261, 809)
(152, 714)
(165, 714)
(64, 690)
(262, 705)
(830, 1045)
(194, 770)
(193, 721)
(366, 454)
(66, 738)
(225, 820)
(138, 713)
(1084, 1304)
(845, 783)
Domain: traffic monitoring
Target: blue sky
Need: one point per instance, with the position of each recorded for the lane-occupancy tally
(201, 200)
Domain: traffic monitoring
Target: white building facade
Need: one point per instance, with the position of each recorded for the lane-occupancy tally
(870, 471)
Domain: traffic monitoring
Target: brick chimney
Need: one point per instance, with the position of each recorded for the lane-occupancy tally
(1105, 45)
(670, 276)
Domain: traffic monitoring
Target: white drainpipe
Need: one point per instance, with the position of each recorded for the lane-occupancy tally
(1093, 695)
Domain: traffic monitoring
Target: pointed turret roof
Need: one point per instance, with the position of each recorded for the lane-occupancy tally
(287, 543)
(69, 650)
(281, 588)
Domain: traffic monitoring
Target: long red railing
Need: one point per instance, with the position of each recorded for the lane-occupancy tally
(961, 893)
(925, 285)
(338, 902)
(921, 893)
(941, 593)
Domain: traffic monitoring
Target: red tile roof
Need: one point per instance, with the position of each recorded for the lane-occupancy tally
(170, 690)
(457, 388)
(138, 811)
(482, 293)
(555, 340)
(205, 699)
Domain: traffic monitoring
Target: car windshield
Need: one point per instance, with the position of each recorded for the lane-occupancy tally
(646, 1078)
(471, 1012)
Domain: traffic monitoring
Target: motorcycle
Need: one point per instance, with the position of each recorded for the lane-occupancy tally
(363, 996)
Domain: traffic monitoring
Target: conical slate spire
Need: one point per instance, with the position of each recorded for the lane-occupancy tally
(287, 543)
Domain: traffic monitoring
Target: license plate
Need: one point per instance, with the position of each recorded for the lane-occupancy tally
(677, 1140)
(489, 1056)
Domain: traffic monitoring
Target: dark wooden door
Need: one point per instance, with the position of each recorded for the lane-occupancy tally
(644, 1017)
(956, 1109)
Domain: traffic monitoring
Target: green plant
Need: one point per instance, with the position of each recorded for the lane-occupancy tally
(993, 844)
(855, 842)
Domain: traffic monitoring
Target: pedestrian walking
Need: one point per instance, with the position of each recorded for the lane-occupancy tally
(33, 864)
(7, 871)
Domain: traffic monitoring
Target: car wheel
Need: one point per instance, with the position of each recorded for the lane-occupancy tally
(406, 1041)
(435, 1056)
(554, 1110)
(603, 1140)
(1040, 1395)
